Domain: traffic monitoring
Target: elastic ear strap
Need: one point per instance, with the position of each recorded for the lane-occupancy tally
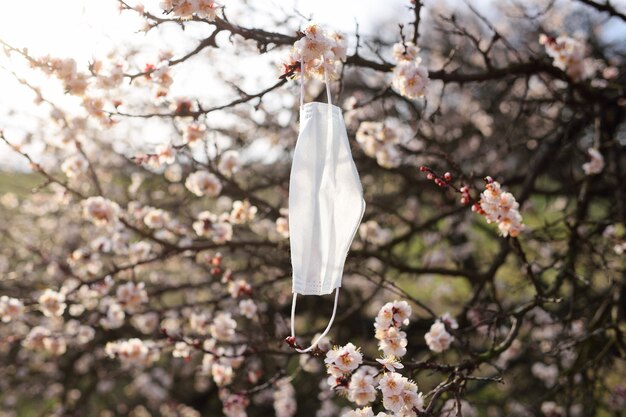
(324, 333)
(330, 99)
(301, 82)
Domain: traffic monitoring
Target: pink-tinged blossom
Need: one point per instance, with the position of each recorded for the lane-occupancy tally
(233, 405)
(222, 374)
(203, 183)
(343, 360)
(65, 70)
(74, 166)
(500, 207)
(133, 352)
(285, 399)
(156, 219)
(364, 412)
(248, 308)
(438, 339)
(181, 350)
(10, 308)
(595, 164)
(55, 345)
(391, 316)
(396, 314)
(229, 163)
(186, 9)
(568, 54)
(242, 212)
(361, 389)
(100, 211)
(222, 232)
(390, 363)
(400, 395)
(410, 78)
(449, 321)
(406, 51)
(194, 132)
(114, 318)
(52, 303)
(371, 232)
(223, 327)
(320, 50)
(213, 227)
(199, 322)
(204, 225)
(166, 154)
(378, 141)
(547, 373)
(392, 342)
(132, 295)
(34, 338)
(239, 288)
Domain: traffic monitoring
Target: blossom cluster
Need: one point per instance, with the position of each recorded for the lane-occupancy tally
(390, 318)
(379, 141)
(133, 352)
(568, 54)
(284, 399)
(340, 362)
(371, 232)
(438, 339)
(500, 207)
(410, 78)
(319, 50)
(203, 183)
(10, 308)
(400, 395)
(186, 9)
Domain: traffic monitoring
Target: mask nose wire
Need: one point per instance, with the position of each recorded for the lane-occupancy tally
(324, 333)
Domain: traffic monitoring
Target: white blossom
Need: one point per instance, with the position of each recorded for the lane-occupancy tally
(500, 207)
(223, 327)
(595, 164)
(438, 339)
(229, 162)
(247, 308)
(410, 78)
(285, 399)
(203, 183)
(243, 212)
(74, 166)
(52, 303)
(10, 308)
(361, 389)
(100, 211)
(132, 295)
(343, 360)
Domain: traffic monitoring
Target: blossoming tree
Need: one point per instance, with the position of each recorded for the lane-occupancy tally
(487, 277)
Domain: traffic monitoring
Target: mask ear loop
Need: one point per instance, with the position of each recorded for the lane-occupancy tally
(324, 333)
(301, 82)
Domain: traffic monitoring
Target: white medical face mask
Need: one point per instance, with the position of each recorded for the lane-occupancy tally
(325, 202)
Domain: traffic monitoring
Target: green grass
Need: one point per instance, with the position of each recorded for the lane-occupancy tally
(19, 183)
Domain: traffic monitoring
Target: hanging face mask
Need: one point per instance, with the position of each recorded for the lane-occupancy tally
(325, 203)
